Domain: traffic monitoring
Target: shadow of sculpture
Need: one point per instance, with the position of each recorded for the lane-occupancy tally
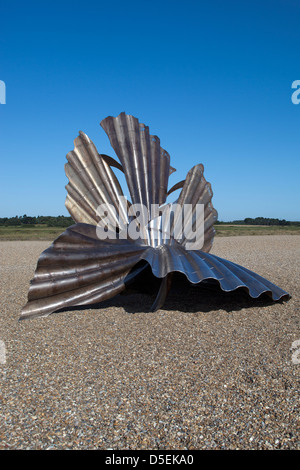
(204, 297)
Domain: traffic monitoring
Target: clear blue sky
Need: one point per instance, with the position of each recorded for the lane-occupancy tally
(211, 78)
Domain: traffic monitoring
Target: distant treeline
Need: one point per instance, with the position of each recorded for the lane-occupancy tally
(63, 221)
(49, 221)
(260, 221)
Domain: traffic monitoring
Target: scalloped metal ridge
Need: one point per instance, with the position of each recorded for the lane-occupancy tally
(80, 269)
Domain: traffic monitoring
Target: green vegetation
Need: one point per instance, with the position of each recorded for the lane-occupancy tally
(33, 228)
(49, 228)
(229, 230)
(30, 232)
(260, 221)
(47, 221)
(257, 226)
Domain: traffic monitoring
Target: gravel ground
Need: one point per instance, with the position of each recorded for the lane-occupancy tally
(209, 371)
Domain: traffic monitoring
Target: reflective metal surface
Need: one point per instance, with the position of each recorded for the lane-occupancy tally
(81, 269)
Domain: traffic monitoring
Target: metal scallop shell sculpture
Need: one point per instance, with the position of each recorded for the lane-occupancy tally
(82, 268)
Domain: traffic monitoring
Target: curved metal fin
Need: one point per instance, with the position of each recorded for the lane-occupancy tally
(175, 187)
(196, 190)
(92, 183)
(198, 266)
(169, 227)
(145, 163)
(111, 161)
(79, 269)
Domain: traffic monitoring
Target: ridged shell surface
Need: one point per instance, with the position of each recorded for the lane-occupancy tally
(79, 268)
(91, 184)
(145, 163)
(168, 227)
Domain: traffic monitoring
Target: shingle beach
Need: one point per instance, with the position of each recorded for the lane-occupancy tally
(208, 371)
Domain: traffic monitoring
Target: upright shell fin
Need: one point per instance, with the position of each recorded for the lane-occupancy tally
(145, 163)
(92, 183)
(196, 190)
(169, 226)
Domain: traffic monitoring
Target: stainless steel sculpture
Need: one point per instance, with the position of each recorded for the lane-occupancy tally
(79, 268)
